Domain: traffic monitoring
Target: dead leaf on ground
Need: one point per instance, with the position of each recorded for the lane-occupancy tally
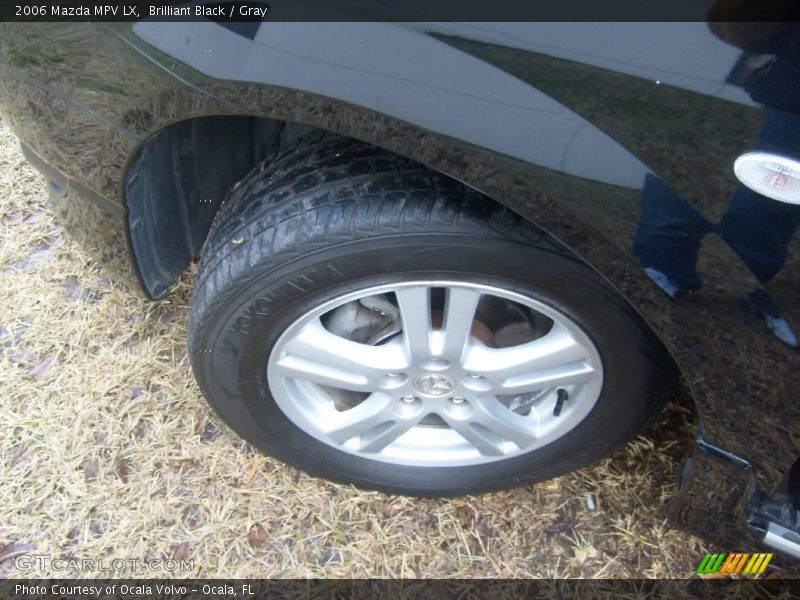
(123, 469)
(181, 551)
(257, 536)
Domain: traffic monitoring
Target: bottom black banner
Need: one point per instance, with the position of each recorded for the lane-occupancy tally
(365, 589)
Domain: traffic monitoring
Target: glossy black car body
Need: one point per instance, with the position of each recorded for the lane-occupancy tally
(617, 138)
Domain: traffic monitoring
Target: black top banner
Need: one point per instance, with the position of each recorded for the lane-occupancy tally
(402, 10)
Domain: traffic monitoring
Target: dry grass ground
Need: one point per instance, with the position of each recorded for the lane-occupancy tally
(109, 451)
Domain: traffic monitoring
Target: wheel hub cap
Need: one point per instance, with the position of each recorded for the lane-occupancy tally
(434, 385)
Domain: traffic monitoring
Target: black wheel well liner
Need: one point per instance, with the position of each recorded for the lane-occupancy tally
(177, 180)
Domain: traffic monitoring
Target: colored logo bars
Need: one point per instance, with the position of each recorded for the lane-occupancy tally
(734, 563)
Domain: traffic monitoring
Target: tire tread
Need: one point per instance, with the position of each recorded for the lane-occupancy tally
(325, 189)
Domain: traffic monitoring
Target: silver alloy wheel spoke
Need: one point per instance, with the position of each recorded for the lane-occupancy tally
(318, 355)
(435, 394)
(371, 413)
(491, 424)
(377, 440)
(374, 420)
(451, 340)
(484, 440)
(494, 415)
(555, 360)
(554, 377)
(447, 341)
(415, 312)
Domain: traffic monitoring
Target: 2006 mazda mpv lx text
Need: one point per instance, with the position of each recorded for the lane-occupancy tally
(443, 258)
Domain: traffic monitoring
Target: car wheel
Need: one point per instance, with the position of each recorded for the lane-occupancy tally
(372, 322)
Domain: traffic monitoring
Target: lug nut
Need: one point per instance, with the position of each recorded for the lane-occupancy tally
(475, 375)
(393, 374)
(408, 399)
(457, 400)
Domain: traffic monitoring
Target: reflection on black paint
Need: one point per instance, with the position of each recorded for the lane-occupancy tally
(85, 97)
(759, 229)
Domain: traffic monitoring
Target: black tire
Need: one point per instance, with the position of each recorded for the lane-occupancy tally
(332, 215)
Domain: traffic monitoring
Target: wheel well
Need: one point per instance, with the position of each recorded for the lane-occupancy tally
(179, 177)
(177, 180)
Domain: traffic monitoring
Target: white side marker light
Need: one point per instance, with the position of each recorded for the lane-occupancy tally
(771, 175)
